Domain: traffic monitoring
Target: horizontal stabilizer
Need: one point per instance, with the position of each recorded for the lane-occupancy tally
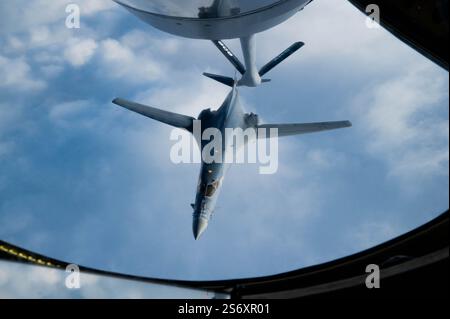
(280, 58)
(227, 80)
(220, 78)
(304, 128)
(230, 56)
(173, 119)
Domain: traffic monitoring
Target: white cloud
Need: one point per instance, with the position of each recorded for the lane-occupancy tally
(76, 115)
(62, 111)
(139, 39)
(39, 13)
(40, 36)
(51, 70)
(336, 36)
(121, 62)
(18, 281)
(369, 234)
(80, 51)
(324, 158)
(16, 73)
(13, 44)
(92, 7)
(399, 118)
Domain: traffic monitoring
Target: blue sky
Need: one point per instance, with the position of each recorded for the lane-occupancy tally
(87, 182)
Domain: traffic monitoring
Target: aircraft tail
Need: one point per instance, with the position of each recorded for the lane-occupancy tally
(173, 119)
(304, 128)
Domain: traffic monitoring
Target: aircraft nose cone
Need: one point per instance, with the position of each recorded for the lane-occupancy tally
(199, 226)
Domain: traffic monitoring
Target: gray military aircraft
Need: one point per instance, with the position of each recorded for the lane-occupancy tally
(211, 20)
(230, 115)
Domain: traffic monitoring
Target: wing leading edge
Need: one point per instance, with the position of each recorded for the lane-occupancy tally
(305, 128)
(173, 119)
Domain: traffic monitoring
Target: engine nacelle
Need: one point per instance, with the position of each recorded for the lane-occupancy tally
(205, 114)
(252, 120)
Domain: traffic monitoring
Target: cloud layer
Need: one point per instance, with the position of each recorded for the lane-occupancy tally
(85, 181)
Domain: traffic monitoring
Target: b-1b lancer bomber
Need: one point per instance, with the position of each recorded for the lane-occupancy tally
(217, 20)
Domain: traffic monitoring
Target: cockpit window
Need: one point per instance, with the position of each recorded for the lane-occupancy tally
(211, 188)
(208, 189)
